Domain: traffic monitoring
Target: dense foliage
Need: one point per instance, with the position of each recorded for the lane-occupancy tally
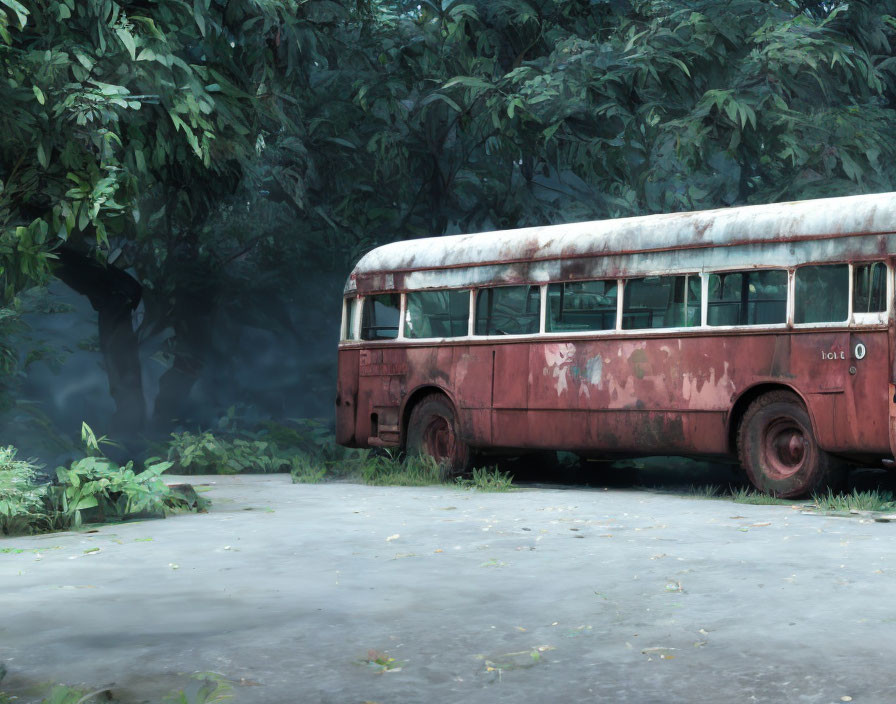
(200, 160)
(93, 489)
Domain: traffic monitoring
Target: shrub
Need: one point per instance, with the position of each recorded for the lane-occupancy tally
(23, 503)
(92, 489)
(205, 453)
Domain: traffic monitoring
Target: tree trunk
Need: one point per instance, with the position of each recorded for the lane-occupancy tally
(114, 295)
(191, 318)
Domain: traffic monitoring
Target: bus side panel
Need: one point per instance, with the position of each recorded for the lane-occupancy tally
(347, 397)
(633, 396)
(389, 374)
(861, 423)
(381, 388)
(674, 394)
(623, 432)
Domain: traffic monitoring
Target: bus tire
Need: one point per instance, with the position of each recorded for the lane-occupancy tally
(433, 430)
(779, 452)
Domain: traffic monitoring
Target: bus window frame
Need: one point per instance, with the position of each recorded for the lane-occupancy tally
(788, 323)
(791, 314)
(346, 335)
(515, 336)
(854, 319)
(581, 333)
(471, 296)
(880, 317)
(688, 273)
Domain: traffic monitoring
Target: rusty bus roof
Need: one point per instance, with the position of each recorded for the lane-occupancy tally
(777, 229)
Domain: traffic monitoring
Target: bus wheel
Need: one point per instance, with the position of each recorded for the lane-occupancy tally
(433, 431)
(778, 449)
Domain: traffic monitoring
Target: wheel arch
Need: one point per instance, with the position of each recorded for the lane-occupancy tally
(414, 398)
(747, 396)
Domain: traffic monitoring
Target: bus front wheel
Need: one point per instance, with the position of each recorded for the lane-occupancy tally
(779, 451)
(433, 430)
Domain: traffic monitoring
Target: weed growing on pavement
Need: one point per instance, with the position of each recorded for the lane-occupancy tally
(487, 479)
(855, 501)
(306, 469)
(751, 496)
(203, 688)
(394, 469)
(706, 491)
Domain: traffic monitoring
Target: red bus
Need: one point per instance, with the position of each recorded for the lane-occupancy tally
(764, 333)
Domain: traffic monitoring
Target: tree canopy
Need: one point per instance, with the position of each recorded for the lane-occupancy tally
(199, 157)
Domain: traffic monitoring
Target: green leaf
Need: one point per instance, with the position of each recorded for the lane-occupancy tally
(20, 10)
(432, 97)
(469, 81)
(342, 142)
(199, 15)
(39, 94)
(128, 40)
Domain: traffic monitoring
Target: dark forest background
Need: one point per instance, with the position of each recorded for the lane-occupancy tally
(184, 186)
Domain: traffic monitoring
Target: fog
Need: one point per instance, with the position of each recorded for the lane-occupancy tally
(255, 371)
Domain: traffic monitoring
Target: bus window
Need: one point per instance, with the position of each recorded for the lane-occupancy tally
(582, 305)
(661, 302)
(757, 297)
(508, 310)
(437, 314)
(348, 333)
(869, 293)
(821, 294)
(379, 317)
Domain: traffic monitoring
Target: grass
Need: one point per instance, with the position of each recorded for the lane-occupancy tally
(392, 469)
(203, 688)
(751, 496)
(855, 501)
(830, 501)
(487, 479)
(706, 491)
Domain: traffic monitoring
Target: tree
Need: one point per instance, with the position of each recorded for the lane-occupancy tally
(128, 125)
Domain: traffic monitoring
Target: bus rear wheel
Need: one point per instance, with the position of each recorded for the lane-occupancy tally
(433, 430)
(779, 451)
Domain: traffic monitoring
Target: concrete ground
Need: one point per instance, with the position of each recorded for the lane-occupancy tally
(293, 592)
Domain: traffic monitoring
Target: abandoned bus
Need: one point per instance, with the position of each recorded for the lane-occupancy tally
(764, 333)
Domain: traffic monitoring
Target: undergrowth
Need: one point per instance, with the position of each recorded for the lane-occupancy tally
(487, 479)
(203, 688)
(260, 448)
(855, 501)
(829, 501)
(93, 489)
(392, 468)
(752, 496)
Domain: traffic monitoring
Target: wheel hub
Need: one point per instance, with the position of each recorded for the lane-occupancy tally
(437, 439)
(785, 448)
